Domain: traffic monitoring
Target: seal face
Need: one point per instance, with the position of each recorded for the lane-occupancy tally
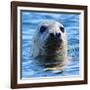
(50, 43)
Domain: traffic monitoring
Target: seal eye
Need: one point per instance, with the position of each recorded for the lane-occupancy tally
(43, 29)
(62, 29)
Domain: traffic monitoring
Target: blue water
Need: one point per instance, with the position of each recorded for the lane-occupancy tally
(30, 21)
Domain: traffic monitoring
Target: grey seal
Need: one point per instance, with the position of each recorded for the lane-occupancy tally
(50, 45)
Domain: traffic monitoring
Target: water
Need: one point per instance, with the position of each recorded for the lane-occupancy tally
(30, 21)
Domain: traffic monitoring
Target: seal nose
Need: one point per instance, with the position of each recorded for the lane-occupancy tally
(57, 35)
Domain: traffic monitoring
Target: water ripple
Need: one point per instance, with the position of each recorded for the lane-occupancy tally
(30, 21)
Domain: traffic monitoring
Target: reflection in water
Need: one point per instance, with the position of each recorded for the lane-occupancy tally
(30, 21)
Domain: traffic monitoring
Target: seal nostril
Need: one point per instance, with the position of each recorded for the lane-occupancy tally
(58, 34)
(51, 34)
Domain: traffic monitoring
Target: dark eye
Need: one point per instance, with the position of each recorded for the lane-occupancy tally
(62, 29)
(43, 29)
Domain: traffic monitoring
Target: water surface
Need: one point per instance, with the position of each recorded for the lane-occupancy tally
(30, 21)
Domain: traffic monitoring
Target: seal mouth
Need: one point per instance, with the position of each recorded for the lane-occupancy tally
(53, 43)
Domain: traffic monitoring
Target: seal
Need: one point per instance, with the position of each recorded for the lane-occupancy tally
(50, 45)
